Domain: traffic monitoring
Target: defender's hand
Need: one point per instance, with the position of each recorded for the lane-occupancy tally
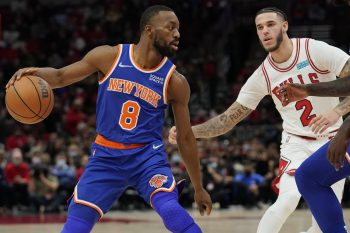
(337, 150)
(203, 201)
(21, 72)
(172, 135)
(321, 123)
(292, 92)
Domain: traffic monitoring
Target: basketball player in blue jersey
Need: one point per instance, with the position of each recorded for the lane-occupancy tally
(139, 83)
(330, 163)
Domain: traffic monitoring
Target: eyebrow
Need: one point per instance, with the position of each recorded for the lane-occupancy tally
(270, 21)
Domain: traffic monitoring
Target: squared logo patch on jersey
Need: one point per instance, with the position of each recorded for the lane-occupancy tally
(158, 180)
(156, 79)
(302, 64)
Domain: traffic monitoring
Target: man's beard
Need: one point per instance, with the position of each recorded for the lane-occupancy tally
(163, 50)
(279, 40)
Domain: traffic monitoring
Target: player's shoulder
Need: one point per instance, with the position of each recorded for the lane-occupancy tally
(178, 79)
(178, 86)
(178, 76)
(103, 54)
(313, 43)
(107, 49)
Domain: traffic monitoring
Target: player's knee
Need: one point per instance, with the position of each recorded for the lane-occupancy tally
(286, 203)
(175, 218)
(302, 179)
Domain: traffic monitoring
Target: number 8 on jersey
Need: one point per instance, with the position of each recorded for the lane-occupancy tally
(129, 115)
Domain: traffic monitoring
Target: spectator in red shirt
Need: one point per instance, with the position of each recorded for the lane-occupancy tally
(73, 116)
(17, 175)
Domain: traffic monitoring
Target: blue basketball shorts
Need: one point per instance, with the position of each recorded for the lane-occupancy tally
(110, 171)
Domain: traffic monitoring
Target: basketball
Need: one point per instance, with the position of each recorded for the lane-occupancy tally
(29, 100)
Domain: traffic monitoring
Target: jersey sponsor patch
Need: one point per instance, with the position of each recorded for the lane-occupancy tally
(156, 79)
(158, 181)
(303, 64)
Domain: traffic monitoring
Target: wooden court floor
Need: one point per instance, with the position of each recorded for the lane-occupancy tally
(234, 220)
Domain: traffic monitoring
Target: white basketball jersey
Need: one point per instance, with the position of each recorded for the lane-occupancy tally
(311, 62)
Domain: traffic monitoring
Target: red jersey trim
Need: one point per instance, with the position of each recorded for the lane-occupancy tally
(310, 60)
(266, 76)
(296, 58)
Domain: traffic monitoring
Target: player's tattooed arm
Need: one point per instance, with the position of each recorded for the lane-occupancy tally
(343, 107)
(345, 72)
(222, 123)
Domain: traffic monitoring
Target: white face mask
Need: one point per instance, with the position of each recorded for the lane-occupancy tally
(36, 160)
(61, 163)
(73, 153)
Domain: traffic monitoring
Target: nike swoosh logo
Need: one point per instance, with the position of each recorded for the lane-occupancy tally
(124, 66)
(156, 147)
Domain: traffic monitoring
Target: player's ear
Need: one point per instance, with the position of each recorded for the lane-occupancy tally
(285, 26)
(148, 30)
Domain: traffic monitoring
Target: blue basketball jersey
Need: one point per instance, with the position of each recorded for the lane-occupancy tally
(131, 100)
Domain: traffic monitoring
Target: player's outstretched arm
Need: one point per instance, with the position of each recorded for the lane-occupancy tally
(99, 58)
(179, 94)
(222, 123)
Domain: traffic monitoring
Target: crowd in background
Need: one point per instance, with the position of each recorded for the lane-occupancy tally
(40, 164)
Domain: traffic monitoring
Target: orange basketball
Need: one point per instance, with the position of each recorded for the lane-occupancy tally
(29, 100)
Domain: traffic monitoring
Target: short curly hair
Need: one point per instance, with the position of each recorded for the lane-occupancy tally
(148, 14)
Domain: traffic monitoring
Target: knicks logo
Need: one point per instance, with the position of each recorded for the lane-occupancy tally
(158, 180)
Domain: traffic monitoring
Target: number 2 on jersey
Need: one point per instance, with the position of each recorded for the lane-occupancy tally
(305, 117)
(129, 115)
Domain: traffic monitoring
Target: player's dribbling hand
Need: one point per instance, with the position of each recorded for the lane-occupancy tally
(21, 72)
(291, 92)
(322, 122)
(172, 135)
(203, 201)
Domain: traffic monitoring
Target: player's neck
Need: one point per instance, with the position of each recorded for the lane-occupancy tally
(146, 56)
(284, 52)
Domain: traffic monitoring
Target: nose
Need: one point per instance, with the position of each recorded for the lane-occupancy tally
(265, 31)
(177, 34)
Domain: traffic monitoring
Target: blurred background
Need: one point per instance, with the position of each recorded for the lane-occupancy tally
(219, 49)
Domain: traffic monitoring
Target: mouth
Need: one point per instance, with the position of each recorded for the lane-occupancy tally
(174, 45)
(267, 40)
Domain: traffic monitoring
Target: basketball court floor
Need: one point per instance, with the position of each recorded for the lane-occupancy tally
(234, 220)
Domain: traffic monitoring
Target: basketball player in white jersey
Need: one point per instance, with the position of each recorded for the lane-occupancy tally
(289, 60)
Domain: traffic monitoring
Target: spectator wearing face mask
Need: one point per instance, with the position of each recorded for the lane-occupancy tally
(247, 184)
(43, 185)
(17, 175)
(66, 182)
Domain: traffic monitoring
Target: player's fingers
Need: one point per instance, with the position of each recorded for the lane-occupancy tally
(325, 126)
(314, 121)
(341, 161)
(330, 154)
(208, 208)
(201, 209)
(172, 139)
(315, 124)
(323, 122)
